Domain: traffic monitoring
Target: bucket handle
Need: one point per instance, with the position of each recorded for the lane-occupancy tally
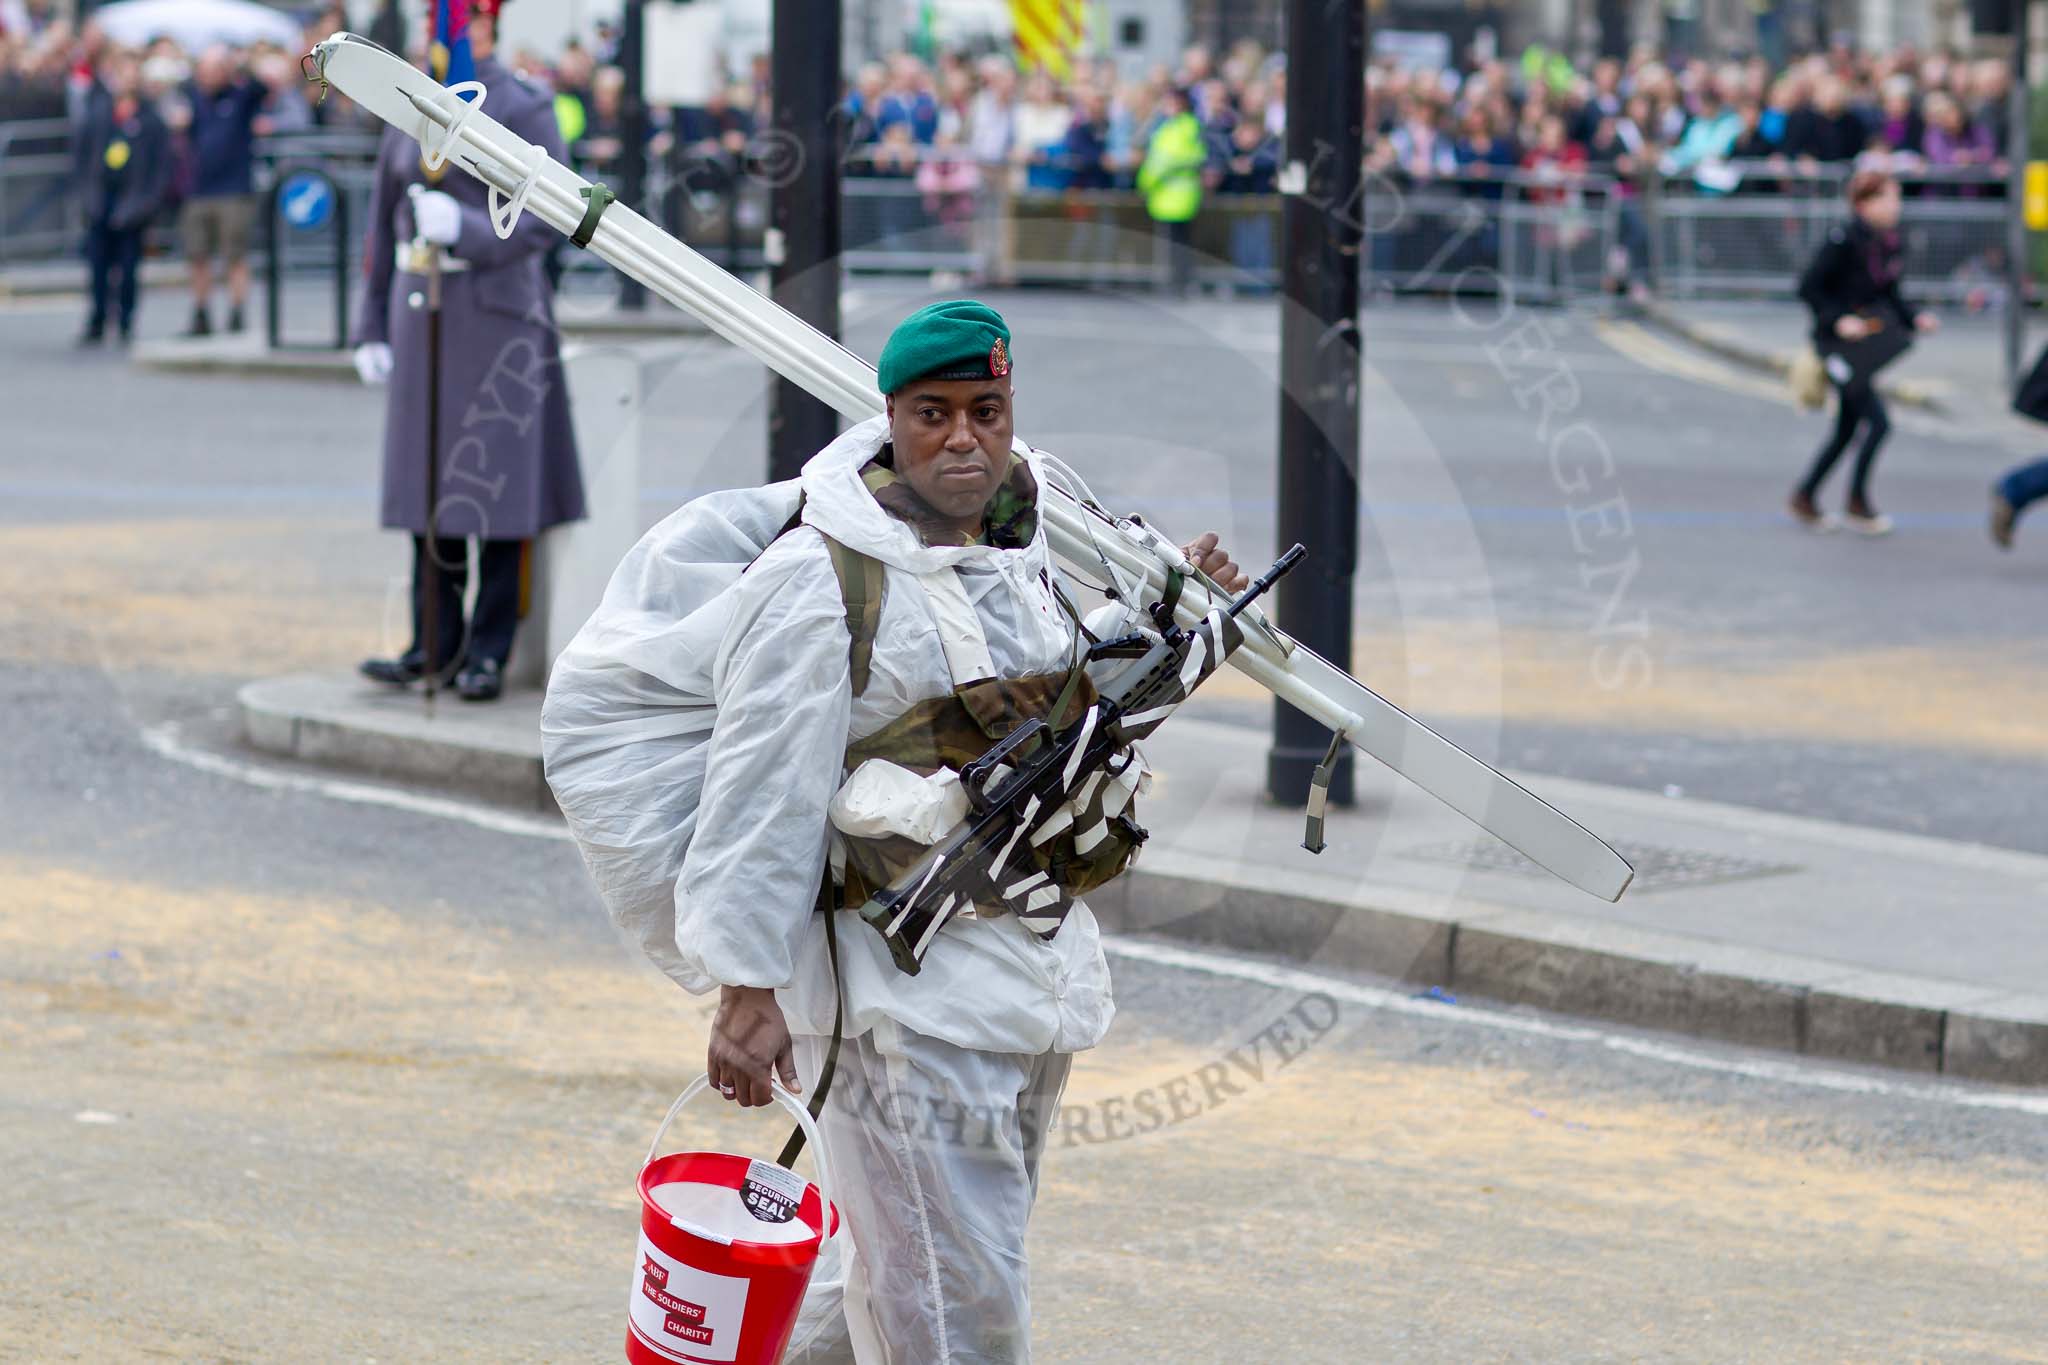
(804, 1121)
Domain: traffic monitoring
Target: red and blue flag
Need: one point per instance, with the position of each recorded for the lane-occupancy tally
(449, 57)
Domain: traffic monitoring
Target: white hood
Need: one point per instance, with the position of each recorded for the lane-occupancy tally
(840, 505)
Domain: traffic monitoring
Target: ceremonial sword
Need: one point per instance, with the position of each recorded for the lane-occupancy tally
(523, 178)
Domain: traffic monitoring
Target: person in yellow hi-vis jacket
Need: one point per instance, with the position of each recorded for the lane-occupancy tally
(1172, 177)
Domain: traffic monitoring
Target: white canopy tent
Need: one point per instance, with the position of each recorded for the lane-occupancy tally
(196, 25)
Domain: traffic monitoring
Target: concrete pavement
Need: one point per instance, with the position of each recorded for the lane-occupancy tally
(1763, 929)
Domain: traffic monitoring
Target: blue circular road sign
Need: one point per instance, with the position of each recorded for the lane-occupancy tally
(306, 200)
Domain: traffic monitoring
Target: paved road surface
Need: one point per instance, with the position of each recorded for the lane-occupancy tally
(284, 1077)
(1662, 626)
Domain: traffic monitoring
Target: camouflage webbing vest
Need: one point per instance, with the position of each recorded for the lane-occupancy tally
(952, 730)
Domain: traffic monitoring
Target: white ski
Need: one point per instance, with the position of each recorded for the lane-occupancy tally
(524, 180)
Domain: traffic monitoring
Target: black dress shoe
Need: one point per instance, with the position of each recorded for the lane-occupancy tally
(481, 681)
(402, 671)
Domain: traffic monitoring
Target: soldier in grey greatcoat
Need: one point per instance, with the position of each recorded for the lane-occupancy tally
(508, 466)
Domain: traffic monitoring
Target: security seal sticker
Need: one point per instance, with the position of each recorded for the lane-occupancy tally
(771, 1192)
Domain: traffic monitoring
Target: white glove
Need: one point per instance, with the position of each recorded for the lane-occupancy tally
(373, 361)
(436, 217)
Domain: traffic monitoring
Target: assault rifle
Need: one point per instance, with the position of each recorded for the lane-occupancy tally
(1027, 786)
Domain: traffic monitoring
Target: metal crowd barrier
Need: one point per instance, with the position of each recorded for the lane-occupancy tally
(714, 203)
(894, 224)
(1540, 237)
(1105, 238)
(1757, 238)
(1555, 239)
(720, 204)
(40, 216)
(1075, 237)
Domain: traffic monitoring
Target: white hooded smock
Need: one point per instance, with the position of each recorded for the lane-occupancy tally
(695, 733)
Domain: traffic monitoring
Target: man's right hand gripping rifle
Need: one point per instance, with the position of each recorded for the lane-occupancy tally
(1043, 781)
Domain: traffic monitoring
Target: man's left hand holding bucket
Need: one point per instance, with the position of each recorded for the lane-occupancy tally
(749, 1045)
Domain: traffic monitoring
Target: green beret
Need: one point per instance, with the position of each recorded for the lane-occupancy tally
(958, 339)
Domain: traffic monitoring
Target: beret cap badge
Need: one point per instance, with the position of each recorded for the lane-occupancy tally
(956, 340)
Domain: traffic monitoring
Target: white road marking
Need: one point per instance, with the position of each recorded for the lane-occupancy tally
(1759, 1069)
(164, 741)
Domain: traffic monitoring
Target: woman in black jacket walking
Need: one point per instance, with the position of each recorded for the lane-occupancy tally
(1852, 286)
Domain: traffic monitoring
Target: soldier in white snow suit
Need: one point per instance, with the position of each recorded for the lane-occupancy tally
(948, 1079)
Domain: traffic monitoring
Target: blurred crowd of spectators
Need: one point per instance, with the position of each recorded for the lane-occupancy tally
(35, 58)
(1728, 126)
(47, 67)
(960, 124)
(154, 132)
(958, 119)
(1090, 131)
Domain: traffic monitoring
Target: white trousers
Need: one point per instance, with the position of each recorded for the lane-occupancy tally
(934, 1153)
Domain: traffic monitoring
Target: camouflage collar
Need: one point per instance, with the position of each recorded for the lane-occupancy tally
(1008, 522)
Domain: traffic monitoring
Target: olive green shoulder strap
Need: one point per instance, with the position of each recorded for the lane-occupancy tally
(860, 587)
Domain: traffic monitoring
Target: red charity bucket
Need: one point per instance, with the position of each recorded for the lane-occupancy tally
(727, 1246)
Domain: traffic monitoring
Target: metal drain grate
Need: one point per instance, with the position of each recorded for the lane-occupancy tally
(1658, 868)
